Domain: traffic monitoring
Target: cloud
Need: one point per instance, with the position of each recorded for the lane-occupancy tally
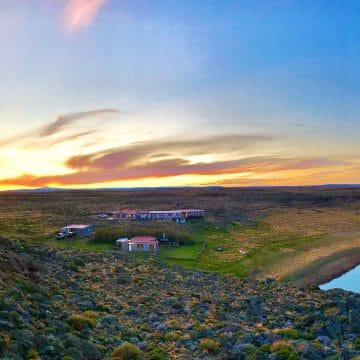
(313, 163)
(171, 157)
(156, 169)
(81, 13)
(56, 126)
(131, 165)
(67, 119)
(66, 138)
(137, 161)
(113, 158)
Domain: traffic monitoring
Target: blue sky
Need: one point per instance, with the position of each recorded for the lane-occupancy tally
(285, 70)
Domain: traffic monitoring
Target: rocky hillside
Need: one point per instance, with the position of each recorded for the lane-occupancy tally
(78, 305)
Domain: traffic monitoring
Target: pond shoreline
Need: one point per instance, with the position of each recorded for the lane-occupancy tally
(328, 268)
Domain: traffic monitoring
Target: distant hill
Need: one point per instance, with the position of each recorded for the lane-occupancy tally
(51, 189)
(215, 187)
(38, 190)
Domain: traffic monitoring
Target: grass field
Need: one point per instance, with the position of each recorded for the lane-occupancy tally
(185, 252)
(265, 232)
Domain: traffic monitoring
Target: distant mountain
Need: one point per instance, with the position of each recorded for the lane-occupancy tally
(215, 187)
(38, 190)
(51, 189)
(342, 185)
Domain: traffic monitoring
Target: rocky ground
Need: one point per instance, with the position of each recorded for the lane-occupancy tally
(65, 304)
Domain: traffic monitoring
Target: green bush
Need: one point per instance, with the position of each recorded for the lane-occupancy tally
(209, 345)
(105, 235)
(289, 333)
(172, 336)
(33, 355)
(357, 343)
(284, 351)
(80, 321)
(126, 351)
(156, 355)
(265, 348)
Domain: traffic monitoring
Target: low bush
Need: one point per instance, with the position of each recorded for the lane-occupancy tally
(33, 355)
(157, 355)
(127, 351)
(105, 235)
(81, 321)
(289, 333)
(172, 336)
(357, 343)
(209, 345)
(283, 351)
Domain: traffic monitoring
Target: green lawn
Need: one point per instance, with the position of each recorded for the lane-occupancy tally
(184, 252)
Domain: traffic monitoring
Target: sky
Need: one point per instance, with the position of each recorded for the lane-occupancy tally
(129, 93)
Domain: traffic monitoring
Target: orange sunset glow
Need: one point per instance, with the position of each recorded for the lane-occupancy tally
(100, 93)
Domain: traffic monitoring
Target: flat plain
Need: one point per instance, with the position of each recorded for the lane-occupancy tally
(287, 233)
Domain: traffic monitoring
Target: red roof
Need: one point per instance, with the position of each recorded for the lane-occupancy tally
(142, 239)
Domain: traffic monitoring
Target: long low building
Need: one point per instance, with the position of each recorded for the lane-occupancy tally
(180, 214)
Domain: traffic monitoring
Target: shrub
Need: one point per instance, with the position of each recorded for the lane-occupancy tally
(4, 341)
(172, 336)
(283, 351)
(33, 355)
(80, 321)
(289, 333)
(126, 351)
(156, 355)
(105, 235)
(331, 311)
(209, 345)
(357, 343)
(265, 348)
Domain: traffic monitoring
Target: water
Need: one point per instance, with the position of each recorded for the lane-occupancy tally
(349, 281)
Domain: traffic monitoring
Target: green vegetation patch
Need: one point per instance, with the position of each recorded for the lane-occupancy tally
(127, 351)
(80, 321)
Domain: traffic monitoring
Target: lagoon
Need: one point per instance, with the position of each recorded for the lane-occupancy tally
(349, 281)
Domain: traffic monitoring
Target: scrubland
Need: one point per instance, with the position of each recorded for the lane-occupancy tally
(78, 299)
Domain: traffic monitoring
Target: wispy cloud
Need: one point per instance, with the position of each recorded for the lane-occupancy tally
(137, 161)
(56, 126)
(67, 119)
(81, 13)
(150, 150)
(313, 163)
(172, 158)
(156, 169)
(101, 171)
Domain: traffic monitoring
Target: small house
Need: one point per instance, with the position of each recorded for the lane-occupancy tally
(143, 243)
(77, 230)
